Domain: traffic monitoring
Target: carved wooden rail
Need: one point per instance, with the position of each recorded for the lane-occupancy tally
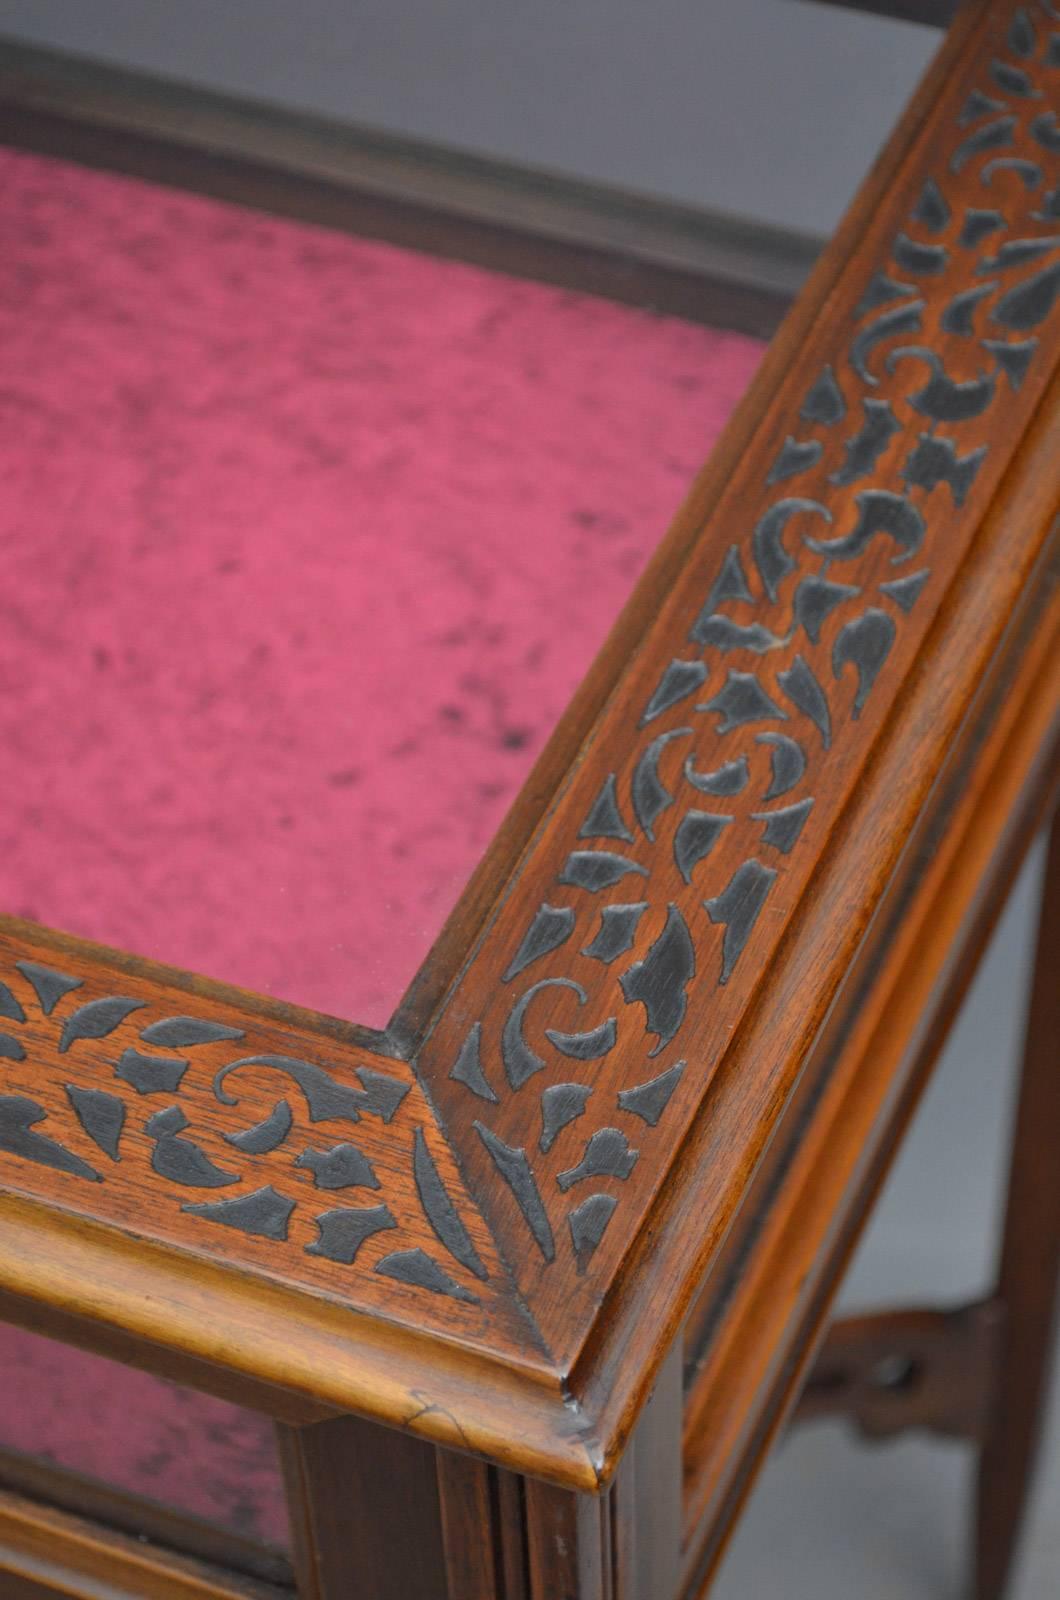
(679, 1009)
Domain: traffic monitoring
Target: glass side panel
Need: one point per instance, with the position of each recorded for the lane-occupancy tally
(306, 543)
(833, 1514)
(142, 1435)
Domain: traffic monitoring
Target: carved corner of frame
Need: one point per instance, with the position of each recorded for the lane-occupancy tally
(621, 960)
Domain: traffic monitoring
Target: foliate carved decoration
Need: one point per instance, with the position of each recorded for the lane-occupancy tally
(577, 1045)
(322, 1169)
(617, 980)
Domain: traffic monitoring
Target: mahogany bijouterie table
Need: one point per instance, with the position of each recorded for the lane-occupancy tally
(328, 465)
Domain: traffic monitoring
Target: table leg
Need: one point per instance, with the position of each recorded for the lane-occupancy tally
(1030, 1264)
(365, 1513)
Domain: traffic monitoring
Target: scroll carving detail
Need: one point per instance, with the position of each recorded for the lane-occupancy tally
(679, 869)
(126, 1074)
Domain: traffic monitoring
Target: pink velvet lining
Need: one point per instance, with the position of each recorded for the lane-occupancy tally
(306, 542)
(186, 1450)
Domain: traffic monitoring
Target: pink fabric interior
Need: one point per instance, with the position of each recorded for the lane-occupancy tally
(149, 1437)
(306, 542)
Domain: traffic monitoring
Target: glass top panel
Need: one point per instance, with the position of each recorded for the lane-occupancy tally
(143, 1435)
(307, 541)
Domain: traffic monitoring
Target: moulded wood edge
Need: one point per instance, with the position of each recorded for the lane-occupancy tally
(616, 1404)
(168, 1299)
(718, 1478)
(540, 1422)
(257, 1009)
(563, 1443)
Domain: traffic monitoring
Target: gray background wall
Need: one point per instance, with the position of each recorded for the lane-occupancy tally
(770, 109)
(838, 1519)
(766, 108)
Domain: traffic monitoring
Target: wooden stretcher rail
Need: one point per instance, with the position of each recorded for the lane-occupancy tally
(488, 1226)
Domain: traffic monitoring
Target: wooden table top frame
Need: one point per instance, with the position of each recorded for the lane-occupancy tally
(627, 1122)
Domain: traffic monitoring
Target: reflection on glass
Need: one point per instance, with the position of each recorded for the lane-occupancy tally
(306, 543)
(142, 1435)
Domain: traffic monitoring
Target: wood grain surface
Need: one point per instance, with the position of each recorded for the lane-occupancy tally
(645, 922)
(290, 1156)
(494, 1241)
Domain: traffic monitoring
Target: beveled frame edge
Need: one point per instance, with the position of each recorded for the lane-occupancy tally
(883, 1036)
(84, 96)
(707, 1270)
(567, 1444)
(412, 1018)
(292, 1353)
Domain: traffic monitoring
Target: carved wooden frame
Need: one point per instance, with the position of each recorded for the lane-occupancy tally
(682, 1002)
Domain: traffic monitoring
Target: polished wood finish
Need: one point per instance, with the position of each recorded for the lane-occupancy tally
(531, 1322)
(618, 1162)
(751, 905)
(476, 1544)
(570, 1543)
(1030, 1264)
(350, 1529)
(648, 1492)
(785, 1260)
(133, 1347)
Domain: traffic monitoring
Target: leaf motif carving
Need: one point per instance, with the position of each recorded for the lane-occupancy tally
(588, 1223)
(864, 644)
(264, 1136)
(651, 797)
(265, 1214)
(515, 1169)
(520, 1061)
(552, 925)
(607, 1155)
(659, 981)
(10, 1007)
(417, 1268)
(181, 1160)
(182, 1033)
(18, 1118)
(598, 869)
(341, 1233)
(151, 1074)
(342, 1167)
(561, 1104)
(97, 1019)
(617, 932)
(326, 1098)
(101, 1115)
(649, 1100)
(49, 985)
(440, 1210)
(739, 908)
